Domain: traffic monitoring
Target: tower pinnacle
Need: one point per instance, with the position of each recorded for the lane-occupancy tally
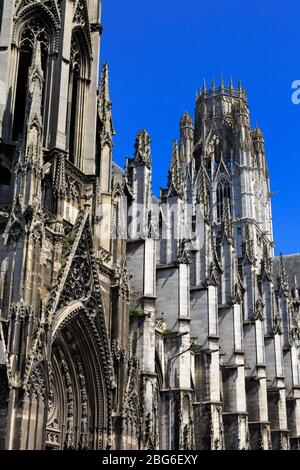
(105, 107)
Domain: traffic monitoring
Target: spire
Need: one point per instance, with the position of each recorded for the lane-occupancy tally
(295, 290)
(34, 90)
(60, 176)
(238, 286)
(36, 64)
(231, 83)
(248, 246)
(202, 194)
(276, 323)
(227, 222)
(214, 270)
(142, 148)
(186, 120)
(32, 144)
(282, 278)
(257, 134)
(175, 172)
(105, 108)
(104, 83)
(204, 86)
(266, 264)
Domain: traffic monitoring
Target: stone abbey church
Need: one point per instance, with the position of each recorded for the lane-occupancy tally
(128, 321)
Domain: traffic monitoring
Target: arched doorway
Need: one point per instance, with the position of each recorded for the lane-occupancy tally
(78, 416)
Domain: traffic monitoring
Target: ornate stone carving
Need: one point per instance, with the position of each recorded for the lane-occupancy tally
(79, 281)
(294, 335)
(83, 442)
(142, 148)
(277, 326)
(35, 28)
(123, 280)
(202, 196)
(237, 295)
(248, 246)
(59, 181)
(160, 325)
(184, 256)
(258, 313)
(175, 177)
(82, 28)
(105, 109)
(69, 442)
(37, 385)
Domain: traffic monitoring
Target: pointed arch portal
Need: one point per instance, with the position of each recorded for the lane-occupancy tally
(78, 415)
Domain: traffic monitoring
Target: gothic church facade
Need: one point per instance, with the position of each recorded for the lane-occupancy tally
(127, 321)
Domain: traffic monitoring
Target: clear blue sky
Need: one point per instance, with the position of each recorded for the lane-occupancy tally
(159, 51)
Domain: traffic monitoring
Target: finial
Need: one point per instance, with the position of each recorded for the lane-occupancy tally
(296, 288)
(283, 274)
(36, 62)
(222, 80)
(231, 83)
(104, 82)
(142, 148)
(240, 85)
(213, 83)
(175, 145)
(204, 86)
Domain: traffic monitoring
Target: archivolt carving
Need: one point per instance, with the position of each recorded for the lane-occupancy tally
(52, 406)
(69, 438)
(84, 406)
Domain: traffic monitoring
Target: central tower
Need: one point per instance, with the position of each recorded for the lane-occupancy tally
(231, 181)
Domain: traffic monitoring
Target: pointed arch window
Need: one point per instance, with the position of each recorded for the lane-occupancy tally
(33, 31)
(78, 78)
(223, 195)
(5, 179)
(1, 13)
(162, 239)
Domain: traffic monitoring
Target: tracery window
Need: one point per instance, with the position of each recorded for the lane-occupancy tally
(76, 99)
(32, 31)
(223, 195)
